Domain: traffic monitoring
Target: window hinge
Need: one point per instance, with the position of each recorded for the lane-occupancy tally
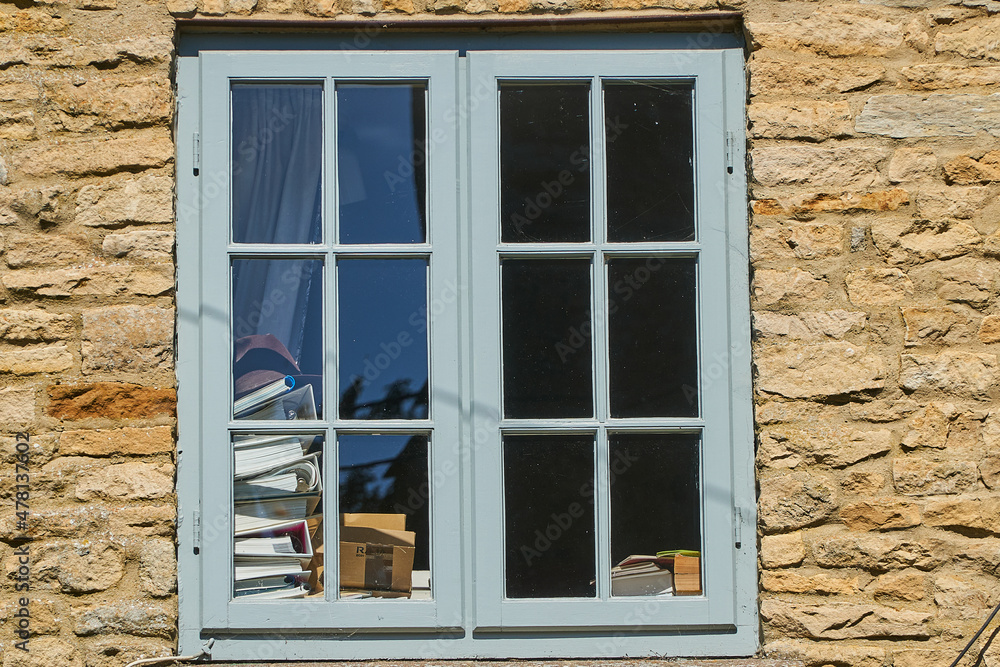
(738, 526)
(730, 151)
(196, 529)
(196, 152)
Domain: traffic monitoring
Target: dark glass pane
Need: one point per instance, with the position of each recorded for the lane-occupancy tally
(547, 357)
(381, 163)
(387, 474)
(383, 338)
(650, 148)
(278, 338)
(544, 162)
(549, 515)
(655, 504)
(277, 163)
(652, 337)
(277, 516)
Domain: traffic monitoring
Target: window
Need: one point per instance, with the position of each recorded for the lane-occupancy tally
(461, 332)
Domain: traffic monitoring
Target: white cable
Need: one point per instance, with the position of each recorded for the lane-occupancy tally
(173, 658)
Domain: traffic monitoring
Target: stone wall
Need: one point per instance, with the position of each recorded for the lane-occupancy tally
(874, 139)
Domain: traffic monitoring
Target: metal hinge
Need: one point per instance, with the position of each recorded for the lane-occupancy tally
(196, 152)
(730, 152)
(196, 530)
(738, 526)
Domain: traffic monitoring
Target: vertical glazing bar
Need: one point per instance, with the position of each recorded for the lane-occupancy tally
(331, 478)
(603, 515)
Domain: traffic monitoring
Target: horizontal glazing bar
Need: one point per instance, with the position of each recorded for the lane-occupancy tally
(251, 249)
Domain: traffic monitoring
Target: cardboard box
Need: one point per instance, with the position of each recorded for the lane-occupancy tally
(375, 553)
(687, 575)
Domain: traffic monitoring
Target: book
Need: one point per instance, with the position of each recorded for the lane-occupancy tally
(297, 404)
(290, 539)
(256, 455)
(301, 476)
(261, 514)
(258, 398)
(271, 567)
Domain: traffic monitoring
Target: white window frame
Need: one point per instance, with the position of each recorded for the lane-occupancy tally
(469, 616)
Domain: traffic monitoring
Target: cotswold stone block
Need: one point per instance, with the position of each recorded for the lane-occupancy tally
(935, 76)
(145, 150)
(836, 447)
(127, 338)
(989, 470)
(908, 586)
(831, 653)
(877, 287)
(109, 400)
(814, 371)
(977, 40)
(879, 552)
(81, 567)
(808, 325)
(879, 200)
(148, 199)
(951, 202)
(27, 250)
(121, 441)
(149, 244)
(771, 286)
(49, 359)
(807, 165)
(147, 520)
(782, 550)
(881, 514)
(109, 102)
(142, 619)
(800, 119)
(965, 170)
(25, 326)
(99, 280)
(31, 21)
(831, 31)
(903, 242)
(836, 620)
(127, 481)
(795, 501)
(812, 240)
(44, 652)
(964, 373)
(911, 164)
(954, 594)
(785, 581)
(863, 482)
(781, 77)
(966, 281)
(975, 514)
(936, 115)
(933, 325)
(158, 567)
(141, 51)
(917, 477)
(989, 329)
(17, 406)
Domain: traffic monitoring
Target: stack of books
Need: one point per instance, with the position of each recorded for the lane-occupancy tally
(674, 572)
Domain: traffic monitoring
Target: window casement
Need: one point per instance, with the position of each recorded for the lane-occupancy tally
(497, 295)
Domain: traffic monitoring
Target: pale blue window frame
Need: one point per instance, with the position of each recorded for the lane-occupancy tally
(469, 616)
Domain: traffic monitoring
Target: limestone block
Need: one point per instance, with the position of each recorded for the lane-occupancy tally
(18, 126)
(770, 286)
(119, 441)
(977, 39)
(935, 115)
(86, 566)
(17, 406)
(951, 371)
(828, 653)
(905, 242)
(42, 448)
(989, 470)
(922, 657)
(132, 617)
(966, 281)
(182, 7)
(831, 31)
(24, 326)
(127, 338)
(837, 620)
(777, 411)
(781, 550)
(28, 361)
(814, 371)
(812, 240)
(796, 500)
(144, 150)
(44, 652)
(110, 102)
(834, 446)
(46, 615)
(58, 476)
(954, 593)
(781, 77)
(122, 650)
(906, 585)
(127, 481)
(880, 552)
(822, 583)
(884, 410)
(826, 202)
(147, 244)
(864, 482)
(952, 202)
(966, 170)
(110, 400)
(147, 520)
(936, 325)
(148, 199)
(93, 280)
(964, 514)
(31, 250)
(881, 514)
(911, 164)
(800, 119)
(75, 522)
(31, 21)
(139, 50)
(807, 165)
(874, 287)
(769, 243)
(938, 75)
(919, 477)
(816, 325)
(158, 567)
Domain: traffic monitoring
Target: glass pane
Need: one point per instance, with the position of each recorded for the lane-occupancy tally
(650, 145)
(547, 358)
(655, 514)
(549, 516)
(382, 153)
(544, 162)
(383, 338)
(385, 525)
(278, 332)
(277, 516)
(277, 163)
(653, 353)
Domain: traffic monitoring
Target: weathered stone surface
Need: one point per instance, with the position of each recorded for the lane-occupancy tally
(110, 102)
(97, 280)
(938, 75)
(904, 242)
(808, 325)
(17, 406)
(964, 514)
(44, 652)
(109, 400)
(836, 446)
(142, 619)
(863, 482)
(919, 477)
(911, 164)
(824, 654)
(27, 250)
(121, 650)
(158, 567)
(770, 286)
(80, 567)
(148, 199)
(150, 244)
(879, 552)
(881, 514)
(155, 50)
(989, 470)
(960, 598)
(31, 21)
(836, 620)
(48, 359)
(933, 325)
(148, 520)
(975, 40)
(936, 115)
(965, 280)
(795, 501)
(951, 371)
(808, 165)
(782, 550)
(127, 338)
(151, 148)
(34, 325)
(800, 119)
(826, 202)
(814, 371)
(907, 585)
(922, 657)
(770, 77)
(877, 287)
(785, 581)
(951, 202)
(831, 31)
(113, 442)
(966, 170)
(779, 411)
(46, 615)
(883, 411)
(812, 240)
(127, 481)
